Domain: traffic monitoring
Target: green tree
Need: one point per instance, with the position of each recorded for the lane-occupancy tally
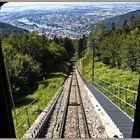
(125, 27)
(69, 46)
(23, 72)
(130, 51)
(113, 26)
(82, 44)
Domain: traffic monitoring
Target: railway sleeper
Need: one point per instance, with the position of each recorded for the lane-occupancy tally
(74, 104)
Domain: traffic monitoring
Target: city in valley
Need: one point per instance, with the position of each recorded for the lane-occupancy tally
(62, 19)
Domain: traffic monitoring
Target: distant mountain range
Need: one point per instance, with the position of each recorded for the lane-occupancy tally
(119, 20)
(8, 29)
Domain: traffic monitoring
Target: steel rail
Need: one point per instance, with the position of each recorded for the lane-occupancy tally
(83, 112)
(78, 130)
(62, 126)
(51, 109)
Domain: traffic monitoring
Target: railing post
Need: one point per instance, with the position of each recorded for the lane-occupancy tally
(45, 97)
(136, 125)
(27, 117)
(125, 100)
(38, 106)
(115, 95)
(119, 97)
(115, 89)
(114, 92)
(108, 89)
(118, 92)
(134, 99)
(16, 119)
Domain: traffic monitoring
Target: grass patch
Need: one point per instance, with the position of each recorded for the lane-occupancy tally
(123, 78)
(117, 77)
(46, 90)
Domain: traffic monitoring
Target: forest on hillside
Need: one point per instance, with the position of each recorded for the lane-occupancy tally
(117, 48)
(7, 29)
(31, 58)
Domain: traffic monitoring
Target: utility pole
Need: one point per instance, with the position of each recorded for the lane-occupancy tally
(83, 62)
(6, 120)
(136, 125)
(93, 54)
(92, 63)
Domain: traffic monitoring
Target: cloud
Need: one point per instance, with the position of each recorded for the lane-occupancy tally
(20, 6)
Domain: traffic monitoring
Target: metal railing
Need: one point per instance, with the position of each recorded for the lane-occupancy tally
(25, 117)
(124, 98)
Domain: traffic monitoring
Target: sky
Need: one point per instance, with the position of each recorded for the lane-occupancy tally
(19, 6)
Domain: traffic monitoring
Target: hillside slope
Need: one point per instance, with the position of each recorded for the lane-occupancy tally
(8, 29)
(119, 20)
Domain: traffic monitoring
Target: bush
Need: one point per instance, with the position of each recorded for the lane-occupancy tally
(124, 78)
(23, 72)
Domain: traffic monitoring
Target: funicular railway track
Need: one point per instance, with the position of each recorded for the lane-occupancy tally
(68, 118)
(74, 123)
(71, 114)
